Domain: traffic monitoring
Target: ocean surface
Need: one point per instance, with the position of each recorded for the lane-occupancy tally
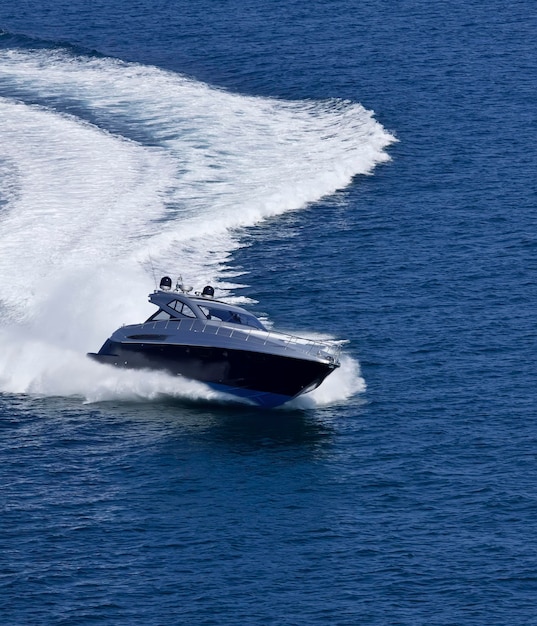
(361, 171)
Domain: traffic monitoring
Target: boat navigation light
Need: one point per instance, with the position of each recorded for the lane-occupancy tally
(165, 283)
(208, 291)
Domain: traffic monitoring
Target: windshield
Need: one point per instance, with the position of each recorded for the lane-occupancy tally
(180, 309)
(223, 314)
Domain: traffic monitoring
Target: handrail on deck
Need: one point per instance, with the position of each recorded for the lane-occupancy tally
(309, 346)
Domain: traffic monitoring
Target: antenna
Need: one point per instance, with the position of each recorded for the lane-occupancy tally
(153, 271)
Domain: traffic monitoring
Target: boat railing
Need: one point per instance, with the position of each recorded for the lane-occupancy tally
(312, 347)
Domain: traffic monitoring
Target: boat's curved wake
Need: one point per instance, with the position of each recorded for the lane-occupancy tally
(108, 168)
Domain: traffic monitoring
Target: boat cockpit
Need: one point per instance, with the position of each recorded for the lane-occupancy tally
(177, 306)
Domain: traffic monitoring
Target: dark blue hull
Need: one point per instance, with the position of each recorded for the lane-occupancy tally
(268, 380)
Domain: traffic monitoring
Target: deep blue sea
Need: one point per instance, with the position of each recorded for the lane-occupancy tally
(361, 171)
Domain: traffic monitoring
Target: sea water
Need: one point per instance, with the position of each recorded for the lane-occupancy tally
(363, 172)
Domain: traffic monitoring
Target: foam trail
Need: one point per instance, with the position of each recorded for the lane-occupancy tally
(118, 163)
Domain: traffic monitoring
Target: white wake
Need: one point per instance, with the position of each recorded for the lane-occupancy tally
(85, 208)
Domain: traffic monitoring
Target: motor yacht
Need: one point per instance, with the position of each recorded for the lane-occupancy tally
(198, 337)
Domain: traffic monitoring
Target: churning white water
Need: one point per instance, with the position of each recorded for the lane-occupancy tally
(110, 169)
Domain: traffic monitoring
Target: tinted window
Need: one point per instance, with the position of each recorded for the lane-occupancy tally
(159, 315)
(232, 317)
(181, 308)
